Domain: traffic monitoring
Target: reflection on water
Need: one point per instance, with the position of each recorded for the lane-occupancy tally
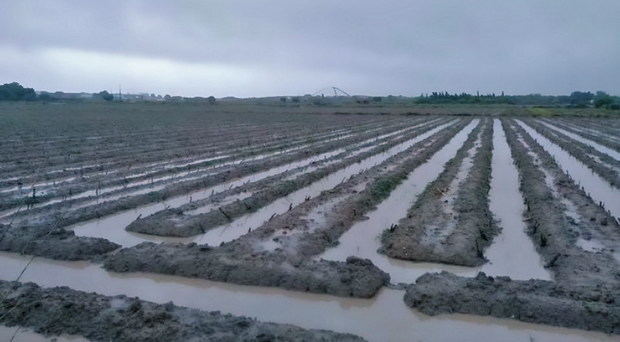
(383, 318)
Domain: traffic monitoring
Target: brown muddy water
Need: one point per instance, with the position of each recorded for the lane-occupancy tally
(383, 318)
(599, 189)
(113, 227)
(514, 254)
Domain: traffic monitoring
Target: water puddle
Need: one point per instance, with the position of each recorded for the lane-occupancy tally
(17, 334)
(599, 189)
(382, 318)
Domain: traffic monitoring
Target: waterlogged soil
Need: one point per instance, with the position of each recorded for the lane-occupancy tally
(552, 226)
(246, 261)
(451, 221)
(61, 310)
(538, 301)
(174, 222)
(601, 163)
(54, 243)
(586, 283)
(123, 200)
(384, 317)
(596, 187)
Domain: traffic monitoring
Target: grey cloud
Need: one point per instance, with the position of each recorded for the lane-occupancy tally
(401, 47)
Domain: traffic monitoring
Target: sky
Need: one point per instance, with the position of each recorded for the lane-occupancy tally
(263, 48)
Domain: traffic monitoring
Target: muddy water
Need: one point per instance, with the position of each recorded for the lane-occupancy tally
(599, 189)
(183, 175)
(383, 318)
(240, 226)
(513, 245)
(362, 239)
(110, 227)
(17, 334)
(512, 252)
(113, 227)
(603, 149)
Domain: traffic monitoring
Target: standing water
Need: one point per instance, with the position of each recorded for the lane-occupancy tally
(599, 189)
(512, 252)
(382, 318)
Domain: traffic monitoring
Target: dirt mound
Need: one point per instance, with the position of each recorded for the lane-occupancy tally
(61, 310)
(536, 301)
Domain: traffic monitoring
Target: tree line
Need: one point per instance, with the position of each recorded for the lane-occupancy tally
(578, 99)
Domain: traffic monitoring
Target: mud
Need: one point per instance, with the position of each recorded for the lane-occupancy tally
(240, 261)
(596, 187)
(442, 228)
(590, 136)
(554, 232)
(601, 163)
(595, 146)
(353, 278)
(384, 317)
(54, 243)
(61, 310)
(123, 201)
(174, 223)
(535, 301)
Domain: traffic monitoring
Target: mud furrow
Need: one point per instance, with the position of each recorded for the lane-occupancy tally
(174, 223)
(150, 194)
(239, 261)
(61, 310)
(550, 224)
(451, 222)
(605, 166)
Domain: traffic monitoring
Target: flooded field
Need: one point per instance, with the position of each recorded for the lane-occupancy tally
(310, 227)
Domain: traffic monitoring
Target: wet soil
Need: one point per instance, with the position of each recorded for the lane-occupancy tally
(601, 163)
(536, 301)
(450, 222)
(53, 243)
(550, 224)
(243, 260)
(174, 223)
(61, 310)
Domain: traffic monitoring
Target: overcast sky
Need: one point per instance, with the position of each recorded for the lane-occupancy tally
(261, 48)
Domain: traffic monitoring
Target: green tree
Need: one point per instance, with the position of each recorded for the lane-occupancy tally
(580, 98)
(15, 92)
(106, 96)
(602, 99)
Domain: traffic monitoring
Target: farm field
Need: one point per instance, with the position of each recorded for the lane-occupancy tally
(124, 221)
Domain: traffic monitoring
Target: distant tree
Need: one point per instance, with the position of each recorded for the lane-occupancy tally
(15, 92)
(295, 99)
(105, 95)
(211, 100)
(602, 99)
(283, 99)
(377, 99)
(580, 99)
